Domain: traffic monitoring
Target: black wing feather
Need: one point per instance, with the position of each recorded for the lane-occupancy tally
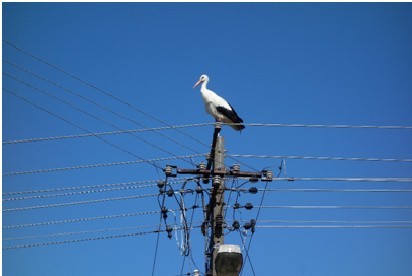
(232, 115)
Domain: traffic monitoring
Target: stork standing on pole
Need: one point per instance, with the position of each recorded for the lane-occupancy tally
(218, 107)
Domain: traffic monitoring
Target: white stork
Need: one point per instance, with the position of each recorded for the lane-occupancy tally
(218, 107)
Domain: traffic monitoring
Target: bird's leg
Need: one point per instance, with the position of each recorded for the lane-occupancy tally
(218, 123)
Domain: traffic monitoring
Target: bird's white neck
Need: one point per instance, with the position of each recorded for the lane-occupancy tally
(203, 87)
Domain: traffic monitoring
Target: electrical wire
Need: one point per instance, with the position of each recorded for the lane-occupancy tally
(247, 257)
(176, 181)
(75, 220)
(77, 203)
(77, 233)
(91, 115)
(41, 139)
(162, 206)
(334, 226)
(345, 179)
(87, 192)
(333, 207)
(338, 221)
(117, 132)
(99, 90)
(32, 245)
(150, 161)
(280, 167)
(335, 190)
(97, 104)
(326, 126)
(77, 126)
(320, 158)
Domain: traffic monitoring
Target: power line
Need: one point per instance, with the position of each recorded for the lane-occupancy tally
(333, 207)
(77, 126)
(335, 179)
(77, 203)
(327, 126)
(333, 226)
(179, 180)
(135, 234)
(48, 223)
(76, 233)
(340, 221)
(91, 115)
(25, 246)
(150, 161)
(98, 89)
(111, 96)
(42, 139)
(337, 190)
(96, 104)
(320, 158)
(281, 168)
(75, 193)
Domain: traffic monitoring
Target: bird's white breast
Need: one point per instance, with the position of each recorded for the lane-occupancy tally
(211, 101)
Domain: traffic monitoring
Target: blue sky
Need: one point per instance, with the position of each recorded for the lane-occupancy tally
(277, 63)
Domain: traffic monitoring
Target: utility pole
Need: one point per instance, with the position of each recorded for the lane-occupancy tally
(229, 258)
(217, 202)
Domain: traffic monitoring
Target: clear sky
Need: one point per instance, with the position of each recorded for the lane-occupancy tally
(277, 63)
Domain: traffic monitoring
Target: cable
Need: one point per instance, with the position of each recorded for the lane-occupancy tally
(334, 226)
(91, 115)
(162, 206)
(332, 207)
(246, 248)
(48, 223)
(402, 180)
(150, 161)
(77, 126)
(340, 221)
(338, 190)
(110, 95)
(320, 158)
(99, 90)
(25, 246)
(96, 104)
(327, 126)
(76, 193)
(32, 245)
(158, 120)
(77, 203)
(258, 213)
(176, 181)
(42, 139)
(77, 233)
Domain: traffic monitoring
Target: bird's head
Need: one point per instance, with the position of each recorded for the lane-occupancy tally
(203, 78)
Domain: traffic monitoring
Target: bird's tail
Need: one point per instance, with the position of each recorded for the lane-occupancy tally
(238, 124)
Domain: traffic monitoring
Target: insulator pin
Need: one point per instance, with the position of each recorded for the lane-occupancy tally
(169, 231)
(236, 167)
(248, 206)
(168, 170)
(253, 190)
(267, 176)
(201, 166)
(216, 180)
(170, 192)
(236, 225)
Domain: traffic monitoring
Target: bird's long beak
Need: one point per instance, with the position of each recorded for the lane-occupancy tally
(197, 83)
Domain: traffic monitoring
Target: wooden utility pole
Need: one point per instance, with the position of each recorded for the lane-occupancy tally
(214, 211)
(217, 201)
